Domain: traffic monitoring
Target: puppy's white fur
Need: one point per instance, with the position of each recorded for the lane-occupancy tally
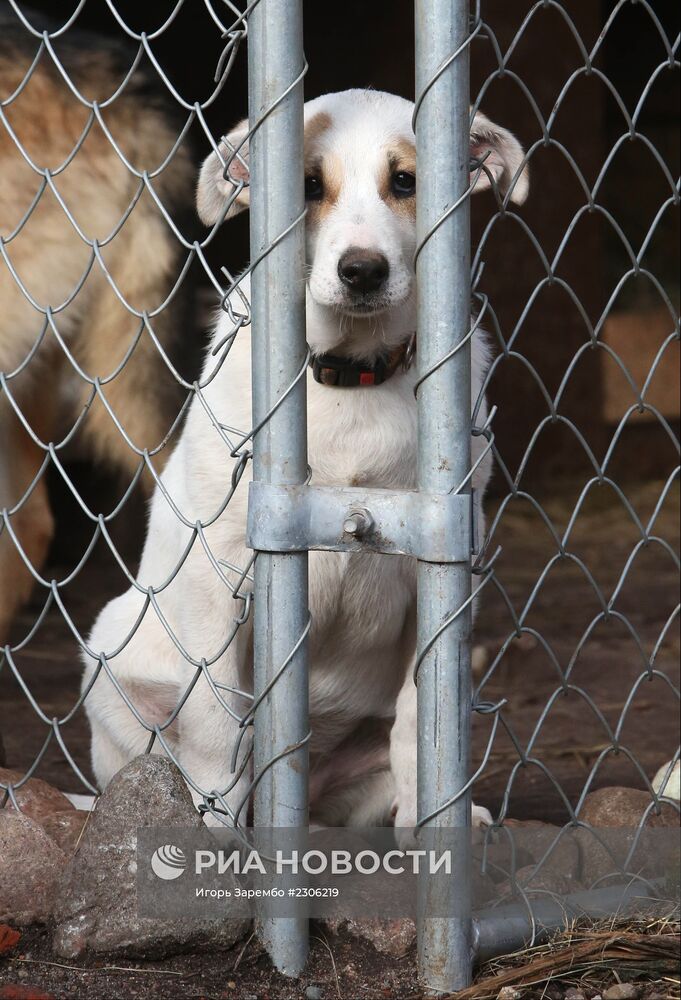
(362, 696)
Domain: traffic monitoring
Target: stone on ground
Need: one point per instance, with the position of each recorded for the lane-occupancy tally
(36, 798)
(31, 864)
(96, 907)
(615, 814)
(65, 828)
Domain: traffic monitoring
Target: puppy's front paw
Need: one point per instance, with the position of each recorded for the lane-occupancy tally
(481, 817)
(405, 816)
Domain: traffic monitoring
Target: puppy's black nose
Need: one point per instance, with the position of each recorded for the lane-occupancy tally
(363, 271)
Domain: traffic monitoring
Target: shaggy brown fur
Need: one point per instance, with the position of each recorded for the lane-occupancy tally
(51, 261)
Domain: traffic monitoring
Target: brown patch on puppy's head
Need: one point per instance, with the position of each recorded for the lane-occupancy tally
(401, 159)
(316, 127)
(323, 172)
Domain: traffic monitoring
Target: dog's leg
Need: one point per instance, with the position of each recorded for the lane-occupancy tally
(145, 669)
(352, 785)
(206, 741)
(215, 777)
(369, 802)
(109, 755)
(117, 736)
(403, 742)
(156, 681)
(365, 801)
(403, 758)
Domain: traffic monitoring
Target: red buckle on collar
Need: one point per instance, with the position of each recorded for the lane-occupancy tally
(367, 378)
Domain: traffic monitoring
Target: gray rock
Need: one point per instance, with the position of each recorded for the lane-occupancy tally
(97, 898)
(36, 798)
(388, 936)
(30, 868)
(499, 852)
(547, 879)
(572, 993)
(65, 828)
(313, 993)
(540, 841)
(615, 815)
(622, 991)
(624, 807)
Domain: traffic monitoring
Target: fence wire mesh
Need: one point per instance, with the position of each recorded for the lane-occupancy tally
(592, 545)
(148, 183)
(572, 588)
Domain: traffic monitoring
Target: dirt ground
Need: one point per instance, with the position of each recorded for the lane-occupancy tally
(590, 960)
(603, 668)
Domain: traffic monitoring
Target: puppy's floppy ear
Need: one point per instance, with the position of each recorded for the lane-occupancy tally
(502, 155)
(221, 176)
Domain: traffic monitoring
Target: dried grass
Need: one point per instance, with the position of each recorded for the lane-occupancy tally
(587, 955)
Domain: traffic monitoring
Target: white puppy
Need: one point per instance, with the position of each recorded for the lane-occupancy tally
(360, 189)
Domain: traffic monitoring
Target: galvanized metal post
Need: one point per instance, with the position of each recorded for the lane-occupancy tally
(275, 61)
(444, 413)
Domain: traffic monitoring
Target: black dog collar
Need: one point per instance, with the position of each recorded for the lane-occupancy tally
(344, 373)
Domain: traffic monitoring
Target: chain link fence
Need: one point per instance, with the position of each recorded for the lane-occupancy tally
(92, 281)
(603, 552)
(147, 202)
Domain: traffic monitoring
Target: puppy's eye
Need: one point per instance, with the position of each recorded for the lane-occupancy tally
(403, 184)
(314, 189)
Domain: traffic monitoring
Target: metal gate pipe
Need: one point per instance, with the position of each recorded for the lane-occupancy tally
(275, 63)
(444, 432)
(502, 930)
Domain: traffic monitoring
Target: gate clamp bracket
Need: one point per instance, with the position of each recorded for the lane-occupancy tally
(432, 527)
